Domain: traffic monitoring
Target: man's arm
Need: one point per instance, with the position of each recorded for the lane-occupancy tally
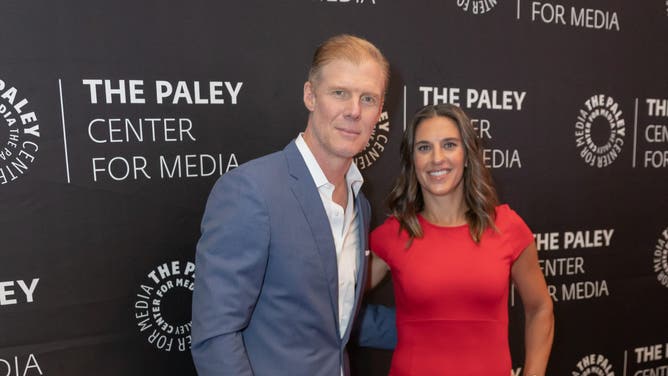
(377, 327)
(230, 266)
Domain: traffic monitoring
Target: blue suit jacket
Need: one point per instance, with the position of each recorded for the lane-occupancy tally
(266, 292)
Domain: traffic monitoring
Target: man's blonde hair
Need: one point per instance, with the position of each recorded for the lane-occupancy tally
(350, 48)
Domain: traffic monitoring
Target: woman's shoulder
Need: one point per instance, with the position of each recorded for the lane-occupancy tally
(383, 239)
(391, 224)
(505, 213)
(388, 233)
(507, 219)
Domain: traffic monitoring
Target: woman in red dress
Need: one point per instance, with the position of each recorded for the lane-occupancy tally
(452, 251)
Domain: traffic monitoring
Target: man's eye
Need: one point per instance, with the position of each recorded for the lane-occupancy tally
(367, 99)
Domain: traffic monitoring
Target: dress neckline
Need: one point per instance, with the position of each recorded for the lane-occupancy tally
(424, 221)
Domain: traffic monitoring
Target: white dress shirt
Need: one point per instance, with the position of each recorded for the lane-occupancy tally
(345, 229)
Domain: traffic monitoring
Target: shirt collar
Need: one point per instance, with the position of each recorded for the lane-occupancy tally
(354, 177)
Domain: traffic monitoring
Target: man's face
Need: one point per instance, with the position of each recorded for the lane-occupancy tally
(345, 101)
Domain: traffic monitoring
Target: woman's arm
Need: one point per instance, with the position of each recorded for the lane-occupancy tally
(378, 270)
(539, 317)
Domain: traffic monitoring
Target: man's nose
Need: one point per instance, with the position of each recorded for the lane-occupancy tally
(354, 109)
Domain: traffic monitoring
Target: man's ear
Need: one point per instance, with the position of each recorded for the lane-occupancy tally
(309, 96)
(380, 108)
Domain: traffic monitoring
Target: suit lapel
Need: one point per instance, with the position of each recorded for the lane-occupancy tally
(306, 193)
(362, 258)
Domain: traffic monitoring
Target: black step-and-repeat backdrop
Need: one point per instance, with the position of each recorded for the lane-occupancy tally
(116, 118)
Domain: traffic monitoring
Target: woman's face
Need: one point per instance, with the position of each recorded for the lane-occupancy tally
(439, 156)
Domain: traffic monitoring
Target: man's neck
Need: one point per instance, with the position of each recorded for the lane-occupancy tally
(335, 171)
(334, 168)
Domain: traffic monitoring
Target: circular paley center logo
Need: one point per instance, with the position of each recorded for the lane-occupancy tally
(661, 258)
(162, 308)
(19, 134)
(600, 131)
(593, 365)
(477, 6)
(376, 145)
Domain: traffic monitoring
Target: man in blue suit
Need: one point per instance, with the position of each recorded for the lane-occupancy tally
(281, 264)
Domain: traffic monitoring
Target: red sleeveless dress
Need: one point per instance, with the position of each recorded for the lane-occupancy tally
(452, 295)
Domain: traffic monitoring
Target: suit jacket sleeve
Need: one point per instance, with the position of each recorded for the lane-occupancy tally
(230, 265)
(377, 327)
